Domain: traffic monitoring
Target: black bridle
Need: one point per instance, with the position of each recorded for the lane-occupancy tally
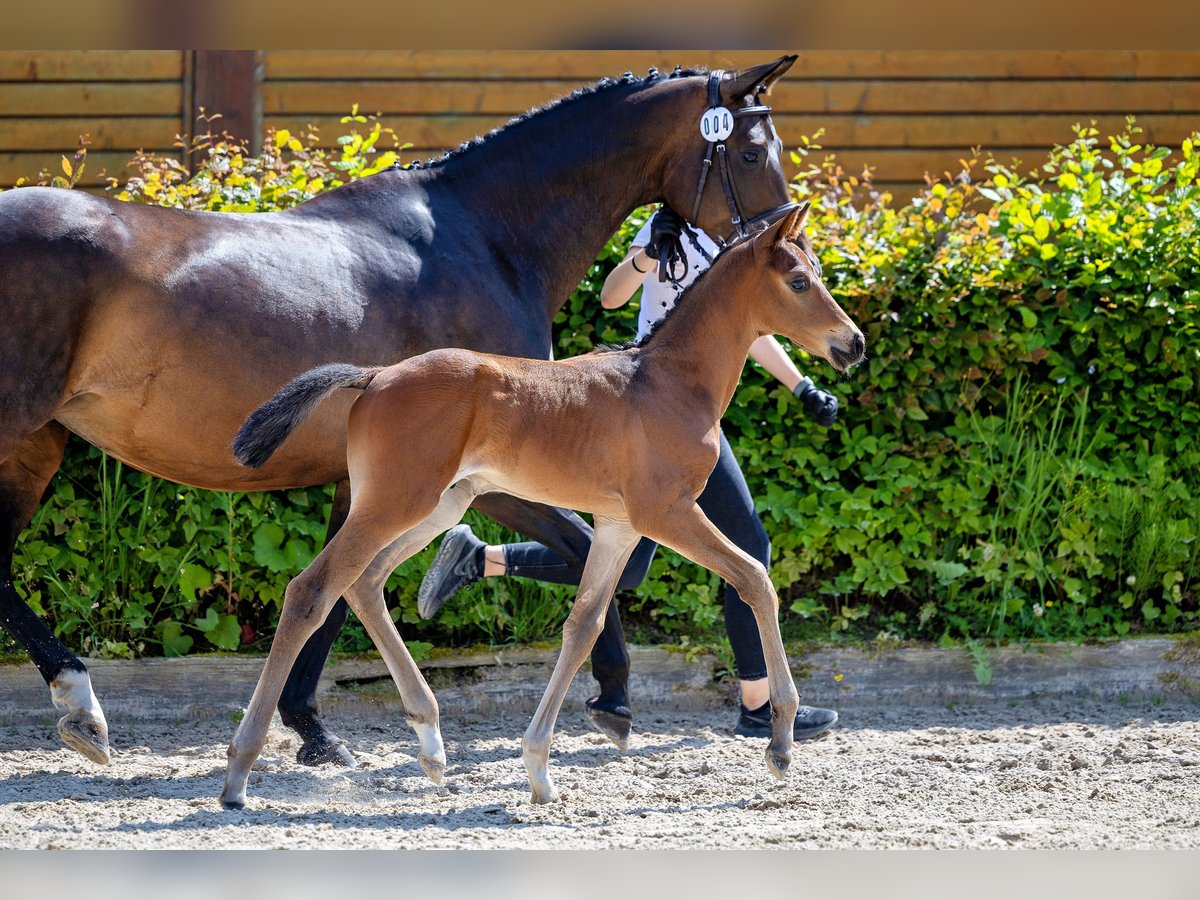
(741, 225)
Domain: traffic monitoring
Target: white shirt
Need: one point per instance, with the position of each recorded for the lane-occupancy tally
(658, 297)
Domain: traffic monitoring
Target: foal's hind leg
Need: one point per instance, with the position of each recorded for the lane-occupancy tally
(366, 599)
(689, 532)
(305, 605)
(611, 545)
(24, 475)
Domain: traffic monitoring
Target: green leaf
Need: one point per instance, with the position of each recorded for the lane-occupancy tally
(193, 578)
(174, 641)
(1028, 317)
(268, 547)
(227, 634)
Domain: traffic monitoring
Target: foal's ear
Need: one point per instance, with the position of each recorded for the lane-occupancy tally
(756, 80)
(786, 229)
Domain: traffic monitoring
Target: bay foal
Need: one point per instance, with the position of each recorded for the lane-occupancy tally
(628, 435)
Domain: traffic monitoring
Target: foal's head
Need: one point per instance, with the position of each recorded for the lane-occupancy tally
(792, 300)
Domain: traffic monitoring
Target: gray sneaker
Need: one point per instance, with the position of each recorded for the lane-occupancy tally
(458, 563)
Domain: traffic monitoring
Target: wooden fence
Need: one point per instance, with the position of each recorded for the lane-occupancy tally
(904, 113)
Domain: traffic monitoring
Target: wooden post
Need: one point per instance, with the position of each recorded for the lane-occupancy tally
(228, 82)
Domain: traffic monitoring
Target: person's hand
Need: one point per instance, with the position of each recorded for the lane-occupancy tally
(821, 405)
(666, 247)
(665, 229)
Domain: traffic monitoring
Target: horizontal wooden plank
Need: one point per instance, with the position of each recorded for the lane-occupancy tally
(27, 165)
(91, 65)
(1036, 131)
(586, 65)
(792, 96)
(97, 98)
(105, 133)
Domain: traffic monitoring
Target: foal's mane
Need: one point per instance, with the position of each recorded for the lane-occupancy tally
(637, 343)
(604, 85)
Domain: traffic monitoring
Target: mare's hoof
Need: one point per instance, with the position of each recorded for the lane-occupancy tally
(84, 734)
(232, 805)
(614, 722)
(777, 763)
(435, 769)
(326, 751)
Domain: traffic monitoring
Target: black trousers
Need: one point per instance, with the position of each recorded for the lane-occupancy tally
(727, 503)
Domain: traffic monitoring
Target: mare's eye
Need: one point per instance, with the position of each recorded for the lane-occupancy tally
(800, 284)
(750, 156)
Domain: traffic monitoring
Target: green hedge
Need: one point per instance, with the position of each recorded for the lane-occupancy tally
(1016, 459)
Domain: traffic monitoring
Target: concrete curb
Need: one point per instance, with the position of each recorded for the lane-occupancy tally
(512, 680)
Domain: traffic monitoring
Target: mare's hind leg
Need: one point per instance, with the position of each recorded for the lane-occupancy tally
(24, 475)
(611, 545)
(688, 531)
(366, 599)
(305, 605)
(298, 704)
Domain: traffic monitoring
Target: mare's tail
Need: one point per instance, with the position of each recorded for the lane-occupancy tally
(270, 424)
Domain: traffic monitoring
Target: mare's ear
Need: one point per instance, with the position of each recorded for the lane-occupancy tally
(755, 80)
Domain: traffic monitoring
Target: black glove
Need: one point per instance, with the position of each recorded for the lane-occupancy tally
(665, 246)
(821, 405)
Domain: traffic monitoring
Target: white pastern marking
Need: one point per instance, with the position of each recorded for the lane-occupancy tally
(73, 690)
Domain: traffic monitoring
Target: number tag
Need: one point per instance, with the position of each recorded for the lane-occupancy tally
(716, 124)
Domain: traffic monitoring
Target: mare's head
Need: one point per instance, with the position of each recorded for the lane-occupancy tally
(750, 179)
(790, 298)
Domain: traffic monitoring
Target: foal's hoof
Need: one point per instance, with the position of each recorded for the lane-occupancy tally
(232, 805)
(325, 751)
(85, 734)
(614, 722)
(435, 769)
(548, 796)
(777, 763)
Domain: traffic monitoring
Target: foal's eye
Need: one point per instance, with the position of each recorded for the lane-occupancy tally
(799, 284)
(750, 156)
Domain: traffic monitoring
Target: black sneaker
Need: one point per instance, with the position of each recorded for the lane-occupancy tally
(459, 562)
(810, 722)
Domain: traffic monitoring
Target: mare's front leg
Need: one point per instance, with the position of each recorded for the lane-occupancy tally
(612, 544)
(305, 605)
(298, 703)
(688, 531)
(24, 475)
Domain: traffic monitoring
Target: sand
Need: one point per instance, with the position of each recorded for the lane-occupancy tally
(1050, 774)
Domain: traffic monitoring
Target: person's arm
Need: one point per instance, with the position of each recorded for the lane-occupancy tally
(626, 278)
(821, 405)
(769, 354)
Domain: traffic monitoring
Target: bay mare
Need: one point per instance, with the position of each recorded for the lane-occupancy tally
(152, 332)
(630, 436)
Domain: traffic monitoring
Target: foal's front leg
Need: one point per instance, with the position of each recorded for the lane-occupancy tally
(688, 531)
(611, 545)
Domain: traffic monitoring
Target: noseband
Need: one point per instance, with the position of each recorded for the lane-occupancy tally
(715, 126)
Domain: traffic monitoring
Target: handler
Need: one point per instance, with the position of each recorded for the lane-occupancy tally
(463, 559)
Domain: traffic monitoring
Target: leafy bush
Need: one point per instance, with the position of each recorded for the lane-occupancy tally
(1016, 458)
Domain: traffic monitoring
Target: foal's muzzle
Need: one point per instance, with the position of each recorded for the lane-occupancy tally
(843, 359)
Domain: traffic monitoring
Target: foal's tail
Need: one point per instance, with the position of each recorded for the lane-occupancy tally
(270, 424)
